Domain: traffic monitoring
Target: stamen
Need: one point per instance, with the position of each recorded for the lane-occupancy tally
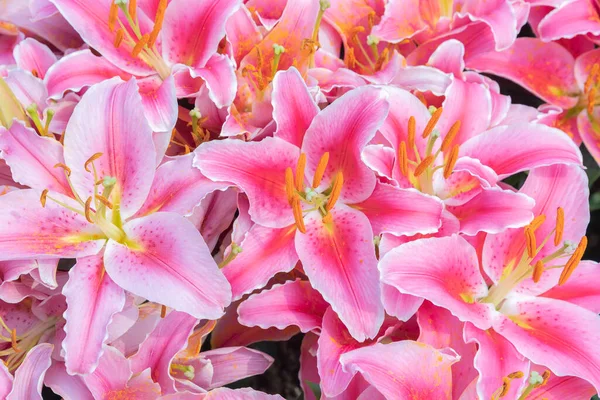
(158, 22)
(591, 77)
(112, 15)
(289, 185)
(13, 339)
(545, 376)
(450, 136)
(328, 218)
(297, 209)
(530, 241)
(411, 132)
(320, 171)
(537, 222)
(299, 179)
(91, 160)
(104, 201)
(140, 45)
(505, 387)
(118, 38)
(163, 311)
(403, 159)
(421, 98)
(427, 161)
(88, 210)
(516, 375)
(335, 191)
(573, 261)
(560, 223)
(63, 166)
(591, 100)
(49, 116)
(133, 9)
(35, 73)
(432, 122)
(538, 270)
(43, 197)
(278, 50)
(451, 162)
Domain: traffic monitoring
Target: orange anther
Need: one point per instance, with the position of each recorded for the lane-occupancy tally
(538, 270)
(451, 162)
(43, 197)
(427, 161)
(432, 122)
(299, 178)
(113, 13)
(158, 22)
(140, 45)
(133, 9)
(13, 339)
(450, 136)
(320, 171)
(289, 185)
(328, 218)
(537, 222)
(163, 311)
(516, 375)
(88, 210)
(411, 132)
(91, 160)
(64, 167)
(298, 218)
(531, 242)
(505, 387)
(104, 201)
(118, 38)
(403, 159)
(560, 224)
(35, 73)
(335, 191)
(545, 376)
(573, 261)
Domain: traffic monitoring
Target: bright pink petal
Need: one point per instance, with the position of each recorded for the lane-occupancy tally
(32, 158)
(449, 57)
(92, 300)
(560, 388)
(553, 81)
(160, 102)
(220, 79)
(384, 365)
(231, 364)
(422, 78)
(112, 374)
(259, 171)
(574, 18)
(343, 129)
(562, 336)
(110, 120)
(34, 56)
(160, 347)
(499, 15)
(402, 20)
(339, 259)
(78, 70)
(29, 377)
(589, 134)
(265, 252)
(178, 187)
(579, 289)
(293, 303)
(401, 211)
(65, 385)
(515, 148)
(447, 275)
(584, 65)
(219, 209)
(242, 33)
(293, 114)
(170, 264)
(380, 159)
(205, 27)
(28, 230)
(399, 305)
(495, 359)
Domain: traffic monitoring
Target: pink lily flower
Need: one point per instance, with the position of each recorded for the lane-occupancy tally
(317, 223)
(160, 46)
(522, 264)
(28, 379)
(130, 236)
(563, 81)
(569, 19)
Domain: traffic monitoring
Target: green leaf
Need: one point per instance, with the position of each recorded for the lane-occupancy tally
(316, 389)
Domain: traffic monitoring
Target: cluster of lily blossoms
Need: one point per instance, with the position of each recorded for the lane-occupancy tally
(180, 179)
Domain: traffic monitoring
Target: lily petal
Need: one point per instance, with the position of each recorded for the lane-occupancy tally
(231, 364)
(29, 377)
(113, 373)
(34, 56)
(579, 289)
(65, 385)
(578, 17)
(160, 102)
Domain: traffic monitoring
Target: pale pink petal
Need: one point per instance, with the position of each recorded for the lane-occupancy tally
(343, 129)
(402, 20)
(110, 120)
(380, 159)
(160, 347)
(238, 394)
(113, 373)
(28, 89)
(422, 78)
(571, 19)
(6, 380)
(11, 270)
(204, 28)
(265, 252)
(553, 81)
(29, 377)
(140, 387)
(15, 292)
(220, 79)
(231, 364)
(560, 388)
(401, 211)
(34, 56)
(292, 303)
(65, 385)
(32, 158)
(308, 365)
(449, 57)
(493, 211)
(149, 316)
(384, 365)
(515, 148)
(170, 264)
(242, 33)
(495, 359)
(178, 187)
(562, 336)
(293, 114)
(28, 230)
(46, 273)
(92, 300)
(78, 70)
(448, 276)
(219, 210)
(579, 289)
(339, 259)
(399, 305)
(160, 102)
(122, 321)
(259, 171)
(41, 9)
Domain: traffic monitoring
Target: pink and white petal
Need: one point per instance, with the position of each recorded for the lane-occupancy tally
(380, 159)
(65, 385)
(399, 305)
(235, 394)
(578, 17)
(159, 102)
(220, 79)
(448, 276)
(259, 171)
(293, 114)
(589, 133)
(384, 365)
(168, 262)
(422, 78)
(178, 187)
(499, 15)
(46, 273)
(562, 336)
(242, 33)
(34, 57)
(90, 20)
(449, 57)
(28, 230)
(401, 20)
(140, 387)
(29, 377)
(580, 288)
(32, 158)
(15, 292)
(110, 120)
(205, 27)
(563, 387)
(160, 347)
(515, 148)
(343, 129)
(219, 211)
(339, 260)
(292, 303)
(124, 320)
(553, 81)
(231, 364)
(129, 343)
(92, 301)
(496, 359)
(113, 373)
(28, 89)
(494, 210)
(41, 9)
(584, 65)
(401, 211)
(11, 270)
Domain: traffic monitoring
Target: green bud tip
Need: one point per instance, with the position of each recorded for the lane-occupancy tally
(32, 108)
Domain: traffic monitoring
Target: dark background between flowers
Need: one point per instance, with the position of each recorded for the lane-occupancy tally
(282, 377)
